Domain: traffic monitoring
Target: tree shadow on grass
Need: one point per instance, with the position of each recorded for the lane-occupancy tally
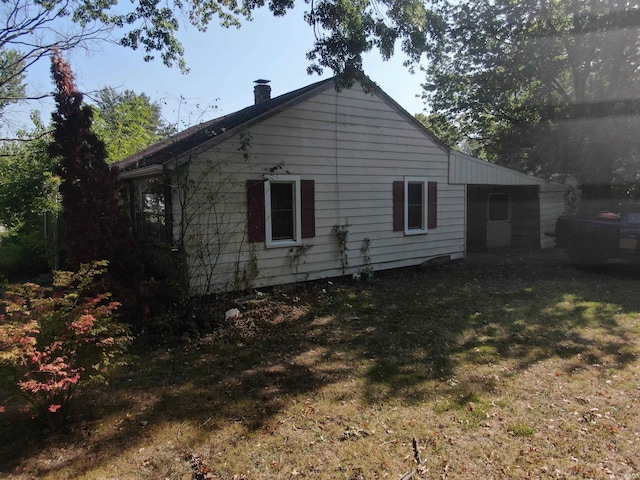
(495, 314)
(241, 376)
(401, 339)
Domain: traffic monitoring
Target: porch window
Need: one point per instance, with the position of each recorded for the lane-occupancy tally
(149, 210)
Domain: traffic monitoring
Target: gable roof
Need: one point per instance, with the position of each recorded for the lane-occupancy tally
(218, 128)
(214, 131)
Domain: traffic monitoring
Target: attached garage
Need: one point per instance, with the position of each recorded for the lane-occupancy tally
(505, 208)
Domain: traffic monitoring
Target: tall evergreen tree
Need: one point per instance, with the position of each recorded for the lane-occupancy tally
(94, 226)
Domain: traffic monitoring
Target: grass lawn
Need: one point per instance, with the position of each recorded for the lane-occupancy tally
(522, 368)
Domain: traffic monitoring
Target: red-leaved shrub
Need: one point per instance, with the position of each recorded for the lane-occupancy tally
(56, 340)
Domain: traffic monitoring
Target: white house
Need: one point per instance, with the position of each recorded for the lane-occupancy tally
(321, 182)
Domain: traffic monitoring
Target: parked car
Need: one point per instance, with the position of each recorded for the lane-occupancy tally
(591, 241)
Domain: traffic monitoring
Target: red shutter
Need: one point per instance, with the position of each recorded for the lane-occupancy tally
(255, 202)
(433, 205)
(398, 206)
(307, 205)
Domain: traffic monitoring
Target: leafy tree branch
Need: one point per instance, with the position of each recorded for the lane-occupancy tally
(546, 87)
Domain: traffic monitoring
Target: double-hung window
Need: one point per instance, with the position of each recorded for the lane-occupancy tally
(283, 212)
(415, 211)
(415, 206)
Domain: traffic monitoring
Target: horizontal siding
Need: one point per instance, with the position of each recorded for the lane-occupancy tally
(353, 145)
(468, 170)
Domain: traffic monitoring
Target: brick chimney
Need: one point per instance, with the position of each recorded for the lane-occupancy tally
(261, 91)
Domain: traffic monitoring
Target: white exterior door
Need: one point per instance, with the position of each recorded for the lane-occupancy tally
(499, 220)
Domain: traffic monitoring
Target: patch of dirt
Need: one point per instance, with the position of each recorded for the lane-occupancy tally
(518, 256)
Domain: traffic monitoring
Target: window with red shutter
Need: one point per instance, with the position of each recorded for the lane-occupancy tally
(281, 210)
(432, 188)
(308, 207)
(398, 206)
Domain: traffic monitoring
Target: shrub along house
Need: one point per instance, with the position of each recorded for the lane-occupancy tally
(317, 183)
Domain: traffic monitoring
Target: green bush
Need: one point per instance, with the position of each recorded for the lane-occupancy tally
(22, 253)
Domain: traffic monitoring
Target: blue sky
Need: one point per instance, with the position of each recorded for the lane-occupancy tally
(223, 65)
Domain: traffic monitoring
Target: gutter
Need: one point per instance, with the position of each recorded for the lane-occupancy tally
(148, 171)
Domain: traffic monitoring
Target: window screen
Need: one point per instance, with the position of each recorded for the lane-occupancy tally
(282, 211)
(415, 205)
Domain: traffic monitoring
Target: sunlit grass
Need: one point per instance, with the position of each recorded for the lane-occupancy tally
(521, 429)
(497, 374)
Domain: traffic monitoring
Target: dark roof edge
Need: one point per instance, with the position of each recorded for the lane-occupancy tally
(161, 152)
(154, 153)
(314, 89)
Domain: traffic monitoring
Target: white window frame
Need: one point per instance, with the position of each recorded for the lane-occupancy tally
(297, 221)
(425, 205)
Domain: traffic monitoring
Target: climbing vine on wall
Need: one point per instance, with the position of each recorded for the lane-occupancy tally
(342, 236)
(366, 256)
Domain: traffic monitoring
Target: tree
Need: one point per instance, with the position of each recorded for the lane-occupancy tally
(11, 79)
(28, 203)
(546, 87)
(344, 29)
(94, 225)
(444, 130)
(26, 177)
(29, 198)
(127, 122)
